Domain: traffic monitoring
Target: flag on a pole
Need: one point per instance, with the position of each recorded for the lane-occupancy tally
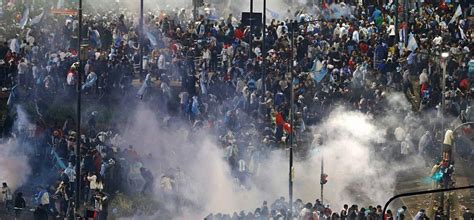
(152, 39)
(25, 17)
(279, 121)
(412, 44)
(11, 97)
(38, 18)
(457, 13)
(318, 71)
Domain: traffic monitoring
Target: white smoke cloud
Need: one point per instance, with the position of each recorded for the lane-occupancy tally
(14, 166)
(208, 180)
(356, 172)
(14, 162)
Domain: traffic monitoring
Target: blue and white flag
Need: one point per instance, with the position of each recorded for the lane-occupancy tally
(146, 84)
(37, 19)
(11, 97)
(25, 17)
(412, 44)
(152, 39)
(457, 13)
(95, 38)
(91, 79)
(318, 71)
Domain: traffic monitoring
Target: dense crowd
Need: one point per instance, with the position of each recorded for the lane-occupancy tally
(279, 210)
(208, 74)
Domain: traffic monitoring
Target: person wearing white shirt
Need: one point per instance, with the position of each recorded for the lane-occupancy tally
(280, 30)
(15, 45)
(95, 185)
(337, 31)
(22, 69)
(391, 34)
(355, 36)
(363, 33)
(206, 57)
(438, 40)
(225, 58)
(161, 65)
(70, 173)
(391, 30)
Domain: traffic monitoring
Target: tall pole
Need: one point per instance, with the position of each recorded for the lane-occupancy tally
(78, 136)
(142, 37)
(322, 173)
(397, 38)
(405, 20)
(291, 171)
(264, 49)
(443, 108)
(443, 99)
(195, 13)
(251, 29)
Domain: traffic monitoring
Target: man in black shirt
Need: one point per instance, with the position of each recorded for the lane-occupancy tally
(4, 50)
(343, 214)
(20, 204)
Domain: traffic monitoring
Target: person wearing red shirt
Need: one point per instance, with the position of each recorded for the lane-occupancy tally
(239, 34)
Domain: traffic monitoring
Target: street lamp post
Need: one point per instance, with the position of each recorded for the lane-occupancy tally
(444, 61)
(397, 38)
(142, 37)
(195, 12)
(77, 200)
(264, 50)
(292, 97)
(322, 176)
(251, 29)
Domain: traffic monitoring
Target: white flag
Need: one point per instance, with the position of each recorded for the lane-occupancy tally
(412, 44)
(457, 13)
(37, 19)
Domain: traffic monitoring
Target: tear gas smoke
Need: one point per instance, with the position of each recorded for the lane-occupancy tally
(351, 147)
(15, 167)
(206, 179)
(13, 155)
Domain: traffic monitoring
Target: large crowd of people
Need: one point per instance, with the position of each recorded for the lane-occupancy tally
(220, 73)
